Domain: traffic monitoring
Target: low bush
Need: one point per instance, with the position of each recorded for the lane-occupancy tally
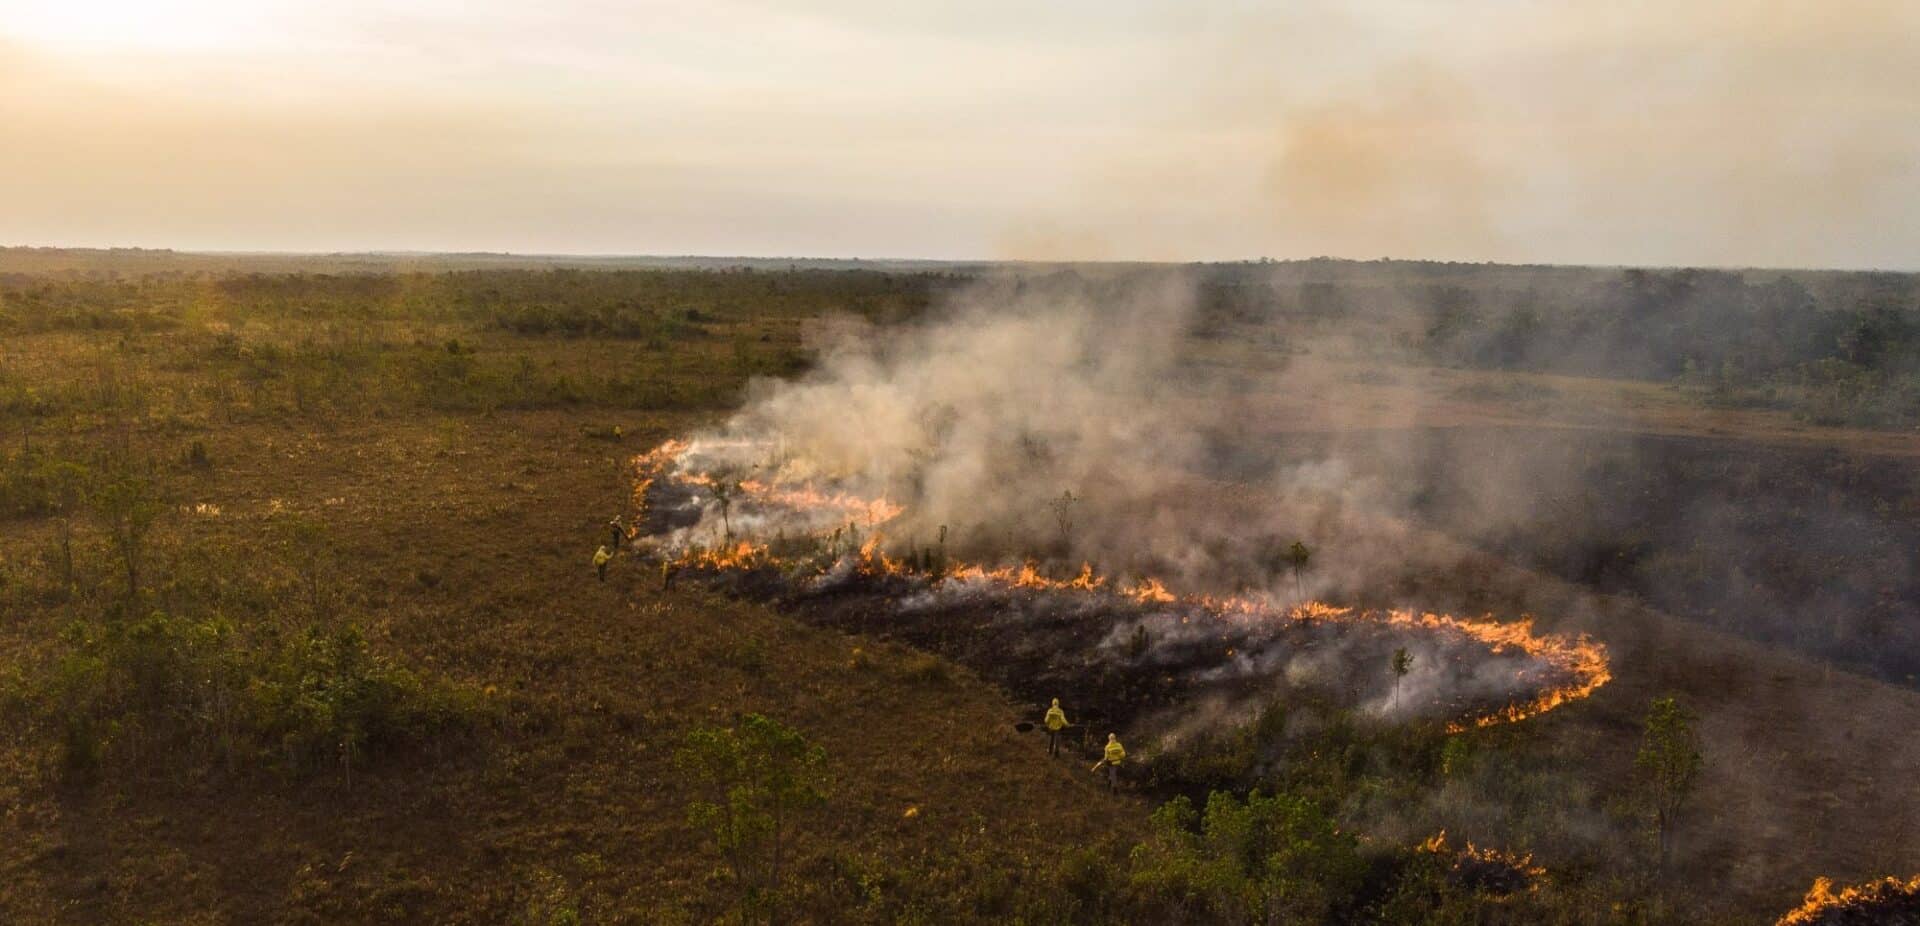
(34, 482)
(173, 693)
(1269, 858)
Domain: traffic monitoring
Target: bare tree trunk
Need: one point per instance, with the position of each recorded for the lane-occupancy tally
(1663, 826)
(773, 881)
(66, 556)
(130, 555)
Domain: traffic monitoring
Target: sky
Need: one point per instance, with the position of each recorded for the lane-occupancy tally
(1695, 132)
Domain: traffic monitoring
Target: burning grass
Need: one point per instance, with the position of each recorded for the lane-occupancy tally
(1494, 872)
(1126, 648)
(1886, 902)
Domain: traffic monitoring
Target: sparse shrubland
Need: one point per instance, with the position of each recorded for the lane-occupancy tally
(206, 351)
(169, 695)
(177, 655)
(300, 622)
(1832, 348)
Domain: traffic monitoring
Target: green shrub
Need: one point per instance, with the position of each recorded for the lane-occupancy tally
(1420, 892)
(760, 776)
(193, 691)
(37, 483)
(326, 696)
(1270, 858)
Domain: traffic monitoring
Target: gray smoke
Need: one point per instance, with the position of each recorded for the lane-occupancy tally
(1078, 417)
(1032, 417)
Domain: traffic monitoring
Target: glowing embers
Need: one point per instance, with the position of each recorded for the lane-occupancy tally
(1886, 901)
(809, 542)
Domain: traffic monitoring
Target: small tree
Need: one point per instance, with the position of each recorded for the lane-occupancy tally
(128, 506)
(1402, 664)
(68, 490)
(312, 557)
(1297, 557)
(762, 775)
(1669, 763)
(725, 487)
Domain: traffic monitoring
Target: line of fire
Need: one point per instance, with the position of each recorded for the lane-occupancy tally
(1130, 653)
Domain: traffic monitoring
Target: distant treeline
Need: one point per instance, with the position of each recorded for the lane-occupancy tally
(1837, 348)
(1833, 347)
(207, 348)
(616, 303)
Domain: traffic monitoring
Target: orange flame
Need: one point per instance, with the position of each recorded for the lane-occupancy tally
(1149, 591)
(1821, 898)
(742, 555)
(1580, 659)
(1437, 844)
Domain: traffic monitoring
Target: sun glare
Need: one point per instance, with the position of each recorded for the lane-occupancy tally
(166, 25)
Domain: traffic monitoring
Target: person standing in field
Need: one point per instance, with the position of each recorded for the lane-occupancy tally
(617, 533)
(600, 560)
(1111, 758)
(1056, 722)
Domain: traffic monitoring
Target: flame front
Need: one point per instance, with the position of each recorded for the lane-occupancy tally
(1822, 900)
(1579, 664)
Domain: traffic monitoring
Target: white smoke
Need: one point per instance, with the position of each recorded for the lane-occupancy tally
(1054, 417)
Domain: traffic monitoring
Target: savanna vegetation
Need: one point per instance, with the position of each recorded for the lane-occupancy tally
(299, 625)
(1830, 348)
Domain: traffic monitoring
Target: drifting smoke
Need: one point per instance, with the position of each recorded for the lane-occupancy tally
(1061, 431)
(1074, 418)
(1036, 417)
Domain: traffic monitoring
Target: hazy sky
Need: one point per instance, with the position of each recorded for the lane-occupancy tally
(1768, 132)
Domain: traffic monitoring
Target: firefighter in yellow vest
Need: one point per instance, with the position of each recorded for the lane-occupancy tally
(1056, 722)
(600, 560)
(1111, 758)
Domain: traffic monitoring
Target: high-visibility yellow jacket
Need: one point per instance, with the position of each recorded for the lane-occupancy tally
(1056, 718)
(601, 556)
(1115, 753)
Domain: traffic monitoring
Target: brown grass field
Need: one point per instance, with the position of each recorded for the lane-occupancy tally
(595, 684)
(458, 537)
